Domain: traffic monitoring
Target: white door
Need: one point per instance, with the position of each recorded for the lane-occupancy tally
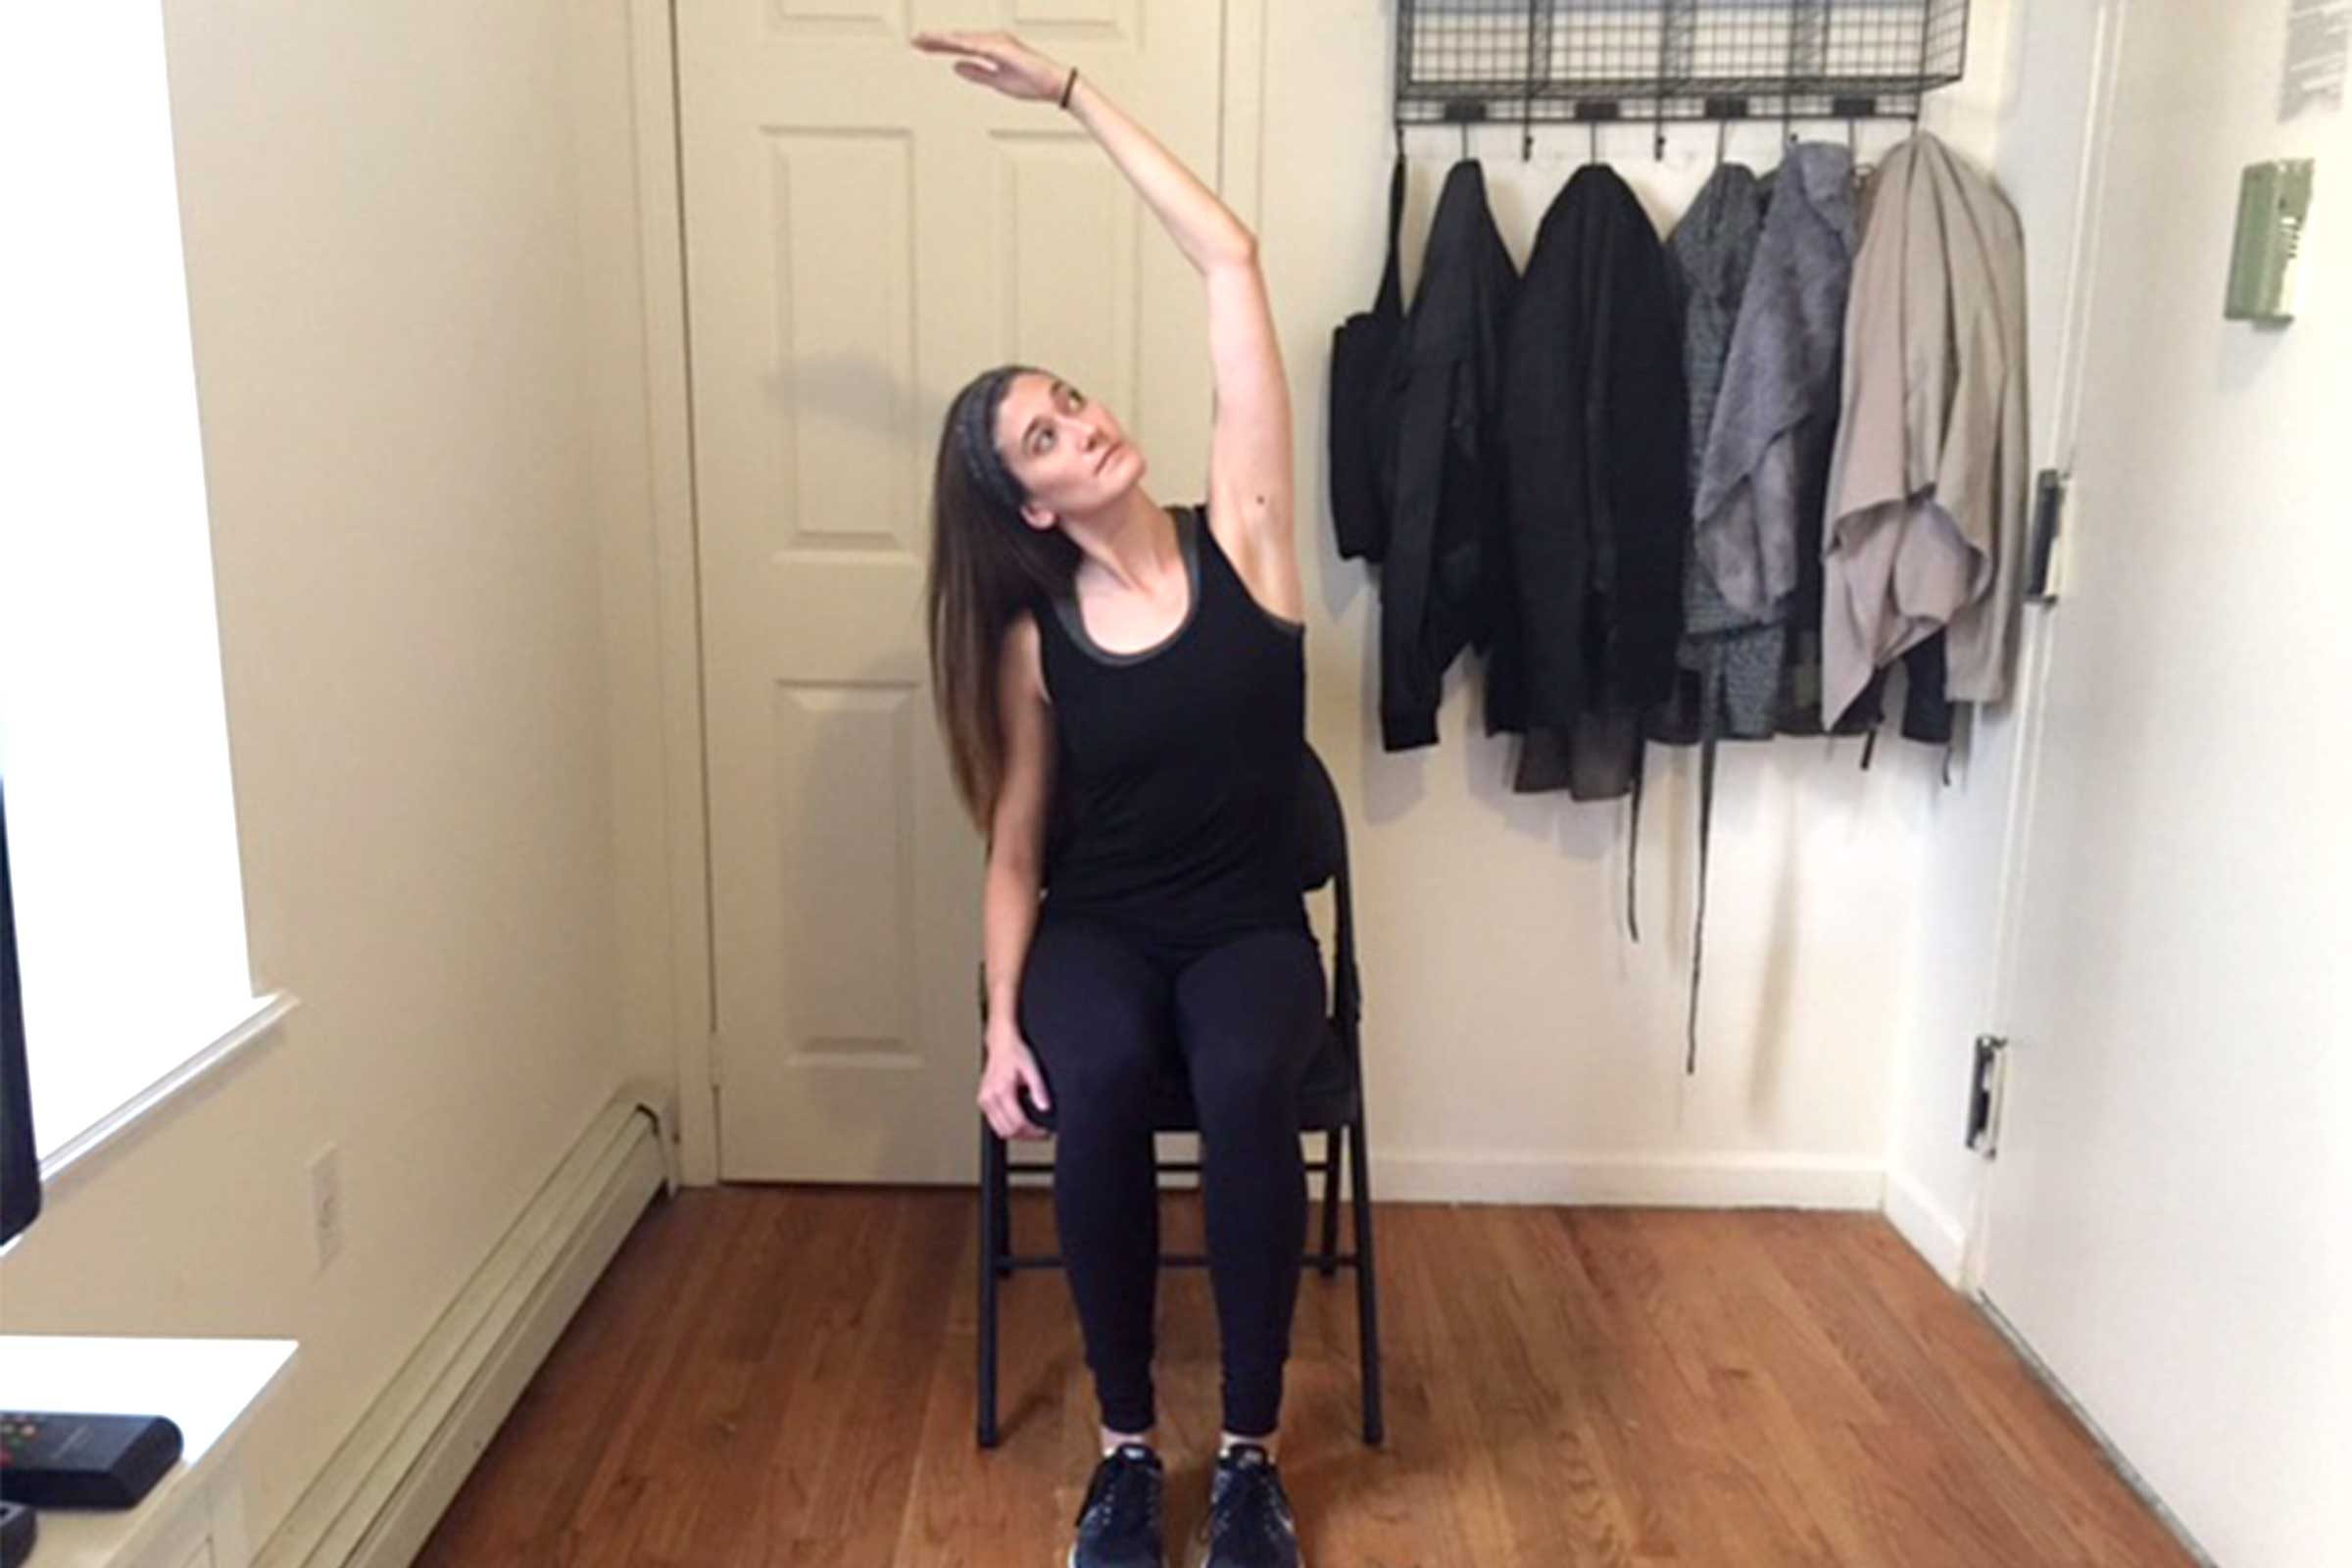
(2168, 1209)
(863, 233)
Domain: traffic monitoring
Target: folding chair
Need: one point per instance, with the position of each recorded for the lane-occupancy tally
(1332, 1102)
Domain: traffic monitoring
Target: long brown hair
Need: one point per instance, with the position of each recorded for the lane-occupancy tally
(987, 564)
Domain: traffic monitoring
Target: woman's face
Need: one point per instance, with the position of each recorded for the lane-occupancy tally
(1066, 449)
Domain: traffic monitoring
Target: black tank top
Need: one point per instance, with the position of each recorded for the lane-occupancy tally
(1179, 766)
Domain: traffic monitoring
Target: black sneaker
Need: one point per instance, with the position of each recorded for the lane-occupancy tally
(1250, 1523)
(1120, 1523)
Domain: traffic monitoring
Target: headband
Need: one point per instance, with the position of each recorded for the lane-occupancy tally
(975, 429)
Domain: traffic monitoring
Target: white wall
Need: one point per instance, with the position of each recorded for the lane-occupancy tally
(1519, 1046)
(2168, 1218)
(403, 410)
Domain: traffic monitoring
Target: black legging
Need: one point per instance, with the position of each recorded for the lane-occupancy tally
(1100, 1008)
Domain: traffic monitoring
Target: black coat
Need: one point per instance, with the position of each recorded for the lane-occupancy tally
(1442, 468)
(1361, 429)
(1595, 437)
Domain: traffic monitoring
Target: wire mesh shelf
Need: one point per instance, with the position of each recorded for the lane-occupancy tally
(1540, 61)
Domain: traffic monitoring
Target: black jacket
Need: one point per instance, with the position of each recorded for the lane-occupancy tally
(1442, 470)
(1361, 429)
(1595, 438)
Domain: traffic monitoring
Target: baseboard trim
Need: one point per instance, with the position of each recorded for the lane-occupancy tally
(379, 1496)
(1649, 1181)
(1933, 1234)
(1677, 1181)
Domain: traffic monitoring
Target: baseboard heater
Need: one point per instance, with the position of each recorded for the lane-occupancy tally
(379, 1496)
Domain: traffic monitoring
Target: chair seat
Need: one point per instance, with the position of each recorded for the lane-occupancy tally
(1327, 1099)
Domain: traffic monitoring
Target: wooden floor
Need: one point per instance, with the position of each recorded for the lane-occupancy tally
(773, 1376)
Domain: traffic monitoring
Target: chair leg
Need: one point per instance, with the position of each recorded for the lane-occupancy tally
(994, 1200)
(1004, 1251)
(1335, 1160)
(1367, 1295)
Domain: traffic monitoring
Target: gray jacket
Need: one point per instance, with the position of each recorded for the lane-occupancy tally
(1926, 519)
(1736, 656)
(1760, 483)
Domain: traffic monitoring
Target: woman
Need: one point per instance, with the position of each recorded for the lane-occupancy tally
(1122, 687)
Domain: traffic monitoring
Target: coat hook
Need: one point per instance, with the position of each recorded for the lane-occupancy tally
(1465, 139)
(1723, 133)
(1593, 134)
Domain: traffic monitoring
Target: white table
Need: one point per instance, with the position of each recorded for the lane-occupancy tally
(195, 1517)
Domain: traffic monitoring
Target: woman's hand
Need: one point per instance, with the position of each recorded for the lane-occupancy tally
(1010, 1064)
(1001, 60)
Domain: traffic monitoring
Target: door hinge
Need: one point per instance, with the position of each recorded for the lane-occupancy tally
(2050, 508)
(1984, 1082)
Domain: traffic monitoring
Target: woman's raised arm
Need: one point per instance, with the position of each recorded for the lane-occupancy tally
(1249, 449)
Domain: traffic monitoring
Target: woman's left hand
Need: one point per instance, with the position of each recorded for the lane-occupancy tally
(1001, 60)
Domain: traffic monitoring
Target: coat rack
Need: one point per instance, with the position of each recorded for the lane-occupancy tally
(1529, 62)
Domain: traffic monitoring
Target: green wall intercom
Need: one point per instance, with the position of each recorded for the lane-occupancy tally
(2274, 201)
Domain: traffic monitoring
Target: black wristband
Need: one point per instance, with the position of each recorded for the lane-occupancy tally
(1067, 88)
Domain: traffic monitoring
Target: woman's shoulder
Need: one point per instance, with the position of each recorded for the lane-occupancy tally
(1023, 654)
(1255, 569)
(1206, 522)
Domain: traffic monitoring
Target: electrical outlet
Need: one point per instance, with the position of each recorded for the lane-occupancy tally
(326, 1204)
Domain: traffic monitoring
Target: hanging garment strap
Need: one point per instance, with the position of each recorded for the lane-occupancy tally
(1710, 735)
(1633, 848)
(1390, 302)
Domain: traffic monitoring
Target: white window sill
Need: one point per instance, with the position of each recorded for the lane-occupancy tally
(82, 1152)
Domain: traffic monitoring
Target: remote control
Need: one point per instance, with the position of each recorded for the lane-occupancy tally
(53, 1460)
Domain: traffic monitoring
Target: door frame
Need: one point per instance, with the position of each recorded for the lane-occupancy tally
(2041, 625)
(673, 524)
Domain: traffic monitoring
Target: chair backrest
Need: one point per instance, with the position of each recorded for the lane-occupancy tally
(1322, 827)
(1322, 858)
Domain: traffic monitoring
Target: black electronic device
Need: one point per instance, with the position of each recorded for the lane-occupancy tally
(54, 1460)
(18, 1530)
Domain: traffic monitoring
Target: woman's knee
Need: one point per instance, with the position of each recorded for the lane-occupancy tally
(1103, 1085)
(1252, 1088)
